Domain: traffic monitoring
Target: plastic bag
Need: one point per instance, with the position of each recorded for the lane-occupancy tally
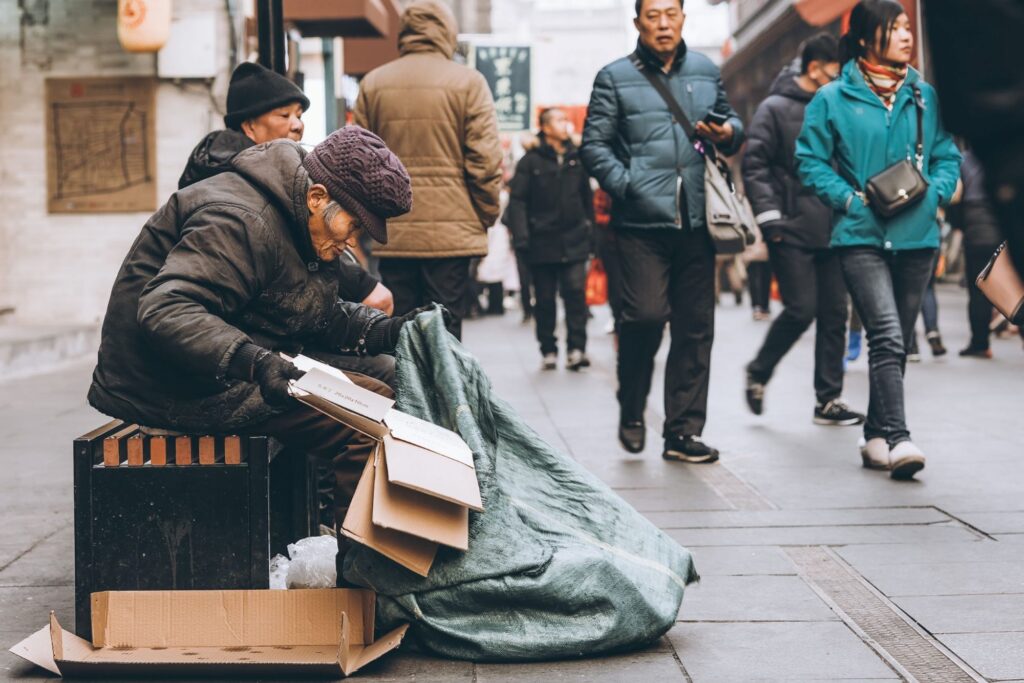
(279, 572)
(312, 563)
(597, 284)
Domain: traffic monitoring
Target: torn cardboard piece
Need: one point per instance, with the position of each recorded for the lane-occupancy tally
(325, 632)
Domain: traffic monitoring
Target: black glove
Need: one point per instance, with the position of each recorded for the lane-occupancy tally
(272, 373)
(382, 336)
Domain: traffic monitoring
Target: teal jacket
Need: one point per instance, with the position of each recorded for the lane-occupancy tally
(846, 127)
(635, 150)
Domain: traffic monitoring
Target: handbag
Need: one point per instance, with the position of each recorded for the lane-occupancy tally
(1002, 285)
(902, 185)
(597, 284)
(728, 215)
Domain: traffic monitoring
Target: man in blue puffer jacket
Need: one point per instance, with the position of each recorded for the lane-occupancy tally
(655, 177)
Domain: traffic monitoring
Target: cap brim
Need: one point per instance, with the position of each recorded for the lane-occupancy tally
(375, 226)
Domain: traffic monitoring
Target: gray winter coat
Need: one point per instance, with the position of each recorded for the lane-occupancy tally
(226, 261)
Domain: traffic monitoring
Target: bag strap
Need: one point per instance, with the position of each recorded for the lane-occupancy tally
(919, 107)
(662, 88)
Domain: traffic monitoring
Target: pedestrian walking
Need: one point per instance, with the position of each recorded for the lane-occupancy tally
(439, 118)
(797, 228)
(982, 236)
(881, 116)
(551, 216)
(655, 177)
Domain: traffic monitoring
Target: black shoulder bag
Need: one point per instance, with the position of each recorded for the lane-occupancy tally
(902, 185)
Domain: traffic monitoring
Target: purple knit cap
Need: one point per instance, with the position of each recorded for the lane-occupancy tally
(364, 176)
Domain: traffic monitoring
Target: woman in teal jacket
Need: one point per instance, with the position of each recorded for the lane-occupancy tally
(853, 129)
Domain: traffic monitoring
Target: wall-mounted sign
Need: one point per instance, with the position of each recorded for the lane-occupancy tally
(100, 145)
(507, 70)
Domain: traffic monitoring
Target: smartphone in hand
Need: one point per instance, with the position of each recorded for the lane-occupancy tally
(716, 118)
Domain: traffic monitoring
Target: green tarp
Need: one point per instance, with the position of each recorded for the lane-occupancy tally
(558, 565)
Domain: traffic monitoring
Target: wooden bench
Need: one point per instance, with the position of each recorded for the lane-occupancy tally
(157, 512)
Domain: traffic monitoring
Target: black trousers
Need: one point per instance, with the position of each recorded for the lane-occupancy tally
(812, 288)
(418, 282)
(667, 276)
(525, 283)
(979, 309)
(759, 282)
(608, 252)
(571, 280)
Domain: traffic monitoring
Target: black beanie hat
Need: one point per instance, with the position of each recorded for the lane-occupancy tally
(363, 175)
(255, 90)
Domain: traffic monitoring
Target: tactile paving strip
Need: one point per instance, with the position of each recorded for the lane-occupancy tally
(731, 488)
(911, 652)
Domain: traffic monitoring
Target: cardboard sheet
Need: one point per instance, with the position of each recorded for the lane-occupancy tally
(432, 473)
(345, 395)
(412, 512)
(412, 552)
(326, 632)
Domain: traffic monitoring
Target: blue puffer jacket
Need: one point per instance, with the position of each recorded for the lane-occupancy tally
(847, 123)
(637, 152)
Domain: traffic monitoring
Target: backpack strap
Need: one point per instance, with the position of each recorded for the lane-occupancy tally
(662, 89)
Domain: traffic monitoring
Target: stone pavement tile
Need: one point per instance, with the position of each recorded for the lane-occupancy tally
(796, 518)
(634, 471)
(25, 610)
(997, 656)
(614, 669)
(958, 505)
(976, 578)
(409, 666)
(823, 535)
(995, 522)
(753, 598)
(692, 497)
(48, 564)
(741, 561)
(965, 613)
(861, 556)
(775, 651)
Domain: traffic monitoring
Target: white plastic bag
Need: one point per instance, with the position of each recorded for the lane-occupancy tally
(312, 562)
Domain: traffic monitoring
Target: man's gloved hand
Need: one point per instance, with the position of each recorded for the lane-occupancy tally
(383, 336)
(272, 373)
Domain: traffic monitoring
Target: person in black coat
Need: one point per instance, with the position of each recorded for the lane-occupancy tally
(797, 228)
(550, 214)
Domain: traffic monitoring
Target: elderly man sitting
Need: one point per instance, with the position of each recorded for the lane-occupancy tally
(237, 268)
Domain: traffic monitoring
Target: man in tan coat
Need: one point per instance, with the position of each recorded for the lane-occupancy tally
(439, 118)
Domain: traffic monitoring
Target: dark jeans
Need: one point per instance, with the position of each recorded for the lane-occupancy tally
(887, 289)
(812, 288)
(667, 276)
(608, 252)
(759, 281)
(979, 309)
(930, 303)
(525, 283)
(306, 430)
(571, 280)
(418, 282)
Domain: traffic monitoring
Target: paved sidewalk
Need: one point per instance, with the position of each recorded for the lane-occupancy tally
(812, 568)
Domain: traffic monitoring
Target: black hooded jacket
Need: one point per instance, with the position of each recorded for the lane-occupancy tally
(226, 261)
(786, 210)
(213, 155)
(550, 207)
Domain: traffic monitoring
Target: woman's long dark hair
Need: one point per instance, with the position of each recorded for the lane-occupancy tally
(867, 18)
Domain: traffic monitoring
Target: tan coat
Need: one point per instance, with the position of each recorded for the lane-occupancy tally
(439, 118)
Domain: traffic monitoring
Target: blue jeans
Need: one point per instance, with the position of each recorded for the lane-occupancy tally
(887, 289)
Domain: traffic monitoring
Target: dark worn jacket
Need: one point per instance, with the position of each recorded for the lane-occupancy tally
(635, 150)
(980, 225)
(551, 207)
(226, 261)
(213, 156)
(786, 210)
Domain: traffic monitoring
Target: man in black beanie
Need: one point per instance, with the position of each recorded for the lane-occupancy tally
(237, 269)
(262, 106)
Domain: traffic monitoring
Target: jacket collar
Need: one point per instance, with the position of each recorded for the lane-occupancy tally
(545, 149)
(851, 83)
(654, 62)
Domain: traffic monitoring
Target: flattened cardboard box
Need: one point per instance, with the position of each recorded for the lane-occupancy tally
(324, 633)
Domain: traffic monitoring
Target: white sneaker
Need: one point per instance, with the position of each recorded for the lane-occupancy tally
(905, 460)
(874, 453)
(549, 361)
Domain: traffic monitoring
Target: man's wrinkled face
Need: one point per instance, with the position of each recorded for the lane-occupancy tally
(330, 226)
(660, 24)
(276, 124)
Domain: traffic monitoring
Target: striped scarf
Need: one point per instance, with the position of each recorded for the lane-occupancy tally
(884, 81)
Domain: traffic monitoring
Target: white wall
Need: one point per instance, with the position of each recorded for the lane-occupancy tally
(58, 269)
